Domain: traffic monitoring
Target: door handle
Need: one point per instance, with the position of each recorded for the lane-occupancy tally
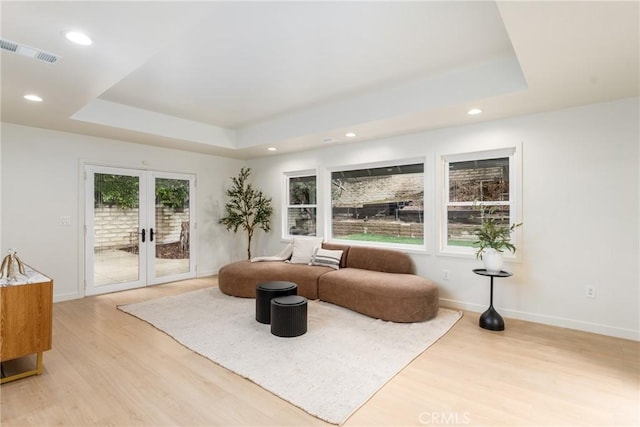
(143, 234)
(151, 234)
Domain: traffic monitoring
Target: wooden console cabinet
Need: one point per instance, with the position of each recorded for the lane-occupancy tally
(26, 322)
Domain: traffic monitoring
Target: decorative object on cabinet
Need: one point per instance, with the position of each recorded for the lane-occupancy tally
(11, 266)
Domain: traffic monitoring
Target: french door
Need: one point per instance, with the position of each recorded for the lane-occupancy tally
(139, 228)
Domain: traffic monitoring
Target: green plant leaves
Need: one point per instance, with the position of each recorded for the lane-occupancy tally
(493, 233)
(247, 208)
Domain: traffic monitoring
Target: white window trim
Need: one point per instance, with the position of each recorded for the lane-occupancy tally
(285, 201)
(328, 232)
(514, 152)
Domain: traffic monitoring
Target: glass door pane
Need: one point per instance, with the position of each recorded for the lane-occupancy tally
(172, 224)
(115, 251)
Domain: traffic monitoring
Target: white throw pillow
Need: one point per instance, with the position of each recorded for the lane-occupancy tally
(303, 249)
(326, 258)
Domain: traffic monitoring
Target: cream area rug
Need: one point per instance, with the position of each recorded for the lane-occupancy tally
(342, 360)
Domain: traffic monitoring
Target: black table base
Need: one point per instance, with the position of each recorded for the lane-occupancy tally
(492, 320)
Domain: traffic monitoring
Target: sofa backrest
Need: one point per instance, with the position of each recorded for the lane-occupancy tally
(337, 247)
(378, 259)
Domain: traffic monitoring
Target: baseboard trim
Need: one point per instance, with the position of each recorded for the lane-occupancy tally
(596, 328)
(66, 297)
(206, 273)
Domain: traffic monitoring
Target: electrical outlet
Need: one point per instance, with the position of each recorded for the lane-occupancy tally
(445, 274)
(591, 292)
(65, 220)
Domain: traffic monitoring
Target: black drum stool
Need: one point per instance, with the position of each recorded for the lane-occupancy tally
(289, 316)
(265, 292)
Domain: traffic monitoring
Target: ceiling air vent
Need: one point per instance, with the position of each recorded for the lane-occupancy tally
(28, 51)
(7, 45)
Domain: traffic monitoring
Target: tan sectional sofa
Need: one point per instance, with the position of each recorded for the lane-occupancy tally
(380, 283)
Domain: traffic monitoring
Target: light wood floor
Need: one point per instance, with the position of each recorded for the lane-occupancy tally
(109, 368)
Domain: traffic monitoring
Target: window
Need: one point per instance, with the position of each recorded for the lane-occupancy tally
(301, 208)
(379, 204)
(476, 185)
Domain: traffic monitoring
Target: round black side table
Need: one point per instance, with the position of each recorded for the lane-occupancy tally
(491, 319)
(265, 292)
(289, 316)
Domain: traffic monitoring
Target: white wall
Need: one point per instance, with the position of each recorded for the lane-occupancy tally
(580, 213)
(1, 212)
(41, 181)
(580, 210)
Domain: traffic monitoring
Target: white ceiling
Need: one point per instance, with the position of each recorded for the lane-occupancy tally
(233, 78)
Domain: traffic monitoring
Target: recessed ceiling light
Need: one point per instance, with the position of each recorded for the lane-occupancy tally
(350, 135)
(474, 111)
(33, 97)
(272, 149)
(78, 38)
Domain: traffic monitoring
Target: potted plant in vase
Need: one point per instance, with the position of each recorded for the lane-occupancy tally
(494, 237)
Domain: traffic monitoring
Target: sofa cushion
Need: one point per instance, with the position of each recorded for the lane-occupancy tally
(338, 247)
(327, 258)
(241, 278)
(303, 248)
(378, 259)
(388, 296)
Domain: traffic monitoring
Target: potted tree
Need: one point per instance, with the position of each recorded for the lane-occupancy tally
(247, 208)
(493, 238)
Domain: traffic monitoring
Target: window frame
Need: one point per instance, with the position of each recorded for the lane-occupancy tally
(286, 205)
(513, 153)
(426, 221)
